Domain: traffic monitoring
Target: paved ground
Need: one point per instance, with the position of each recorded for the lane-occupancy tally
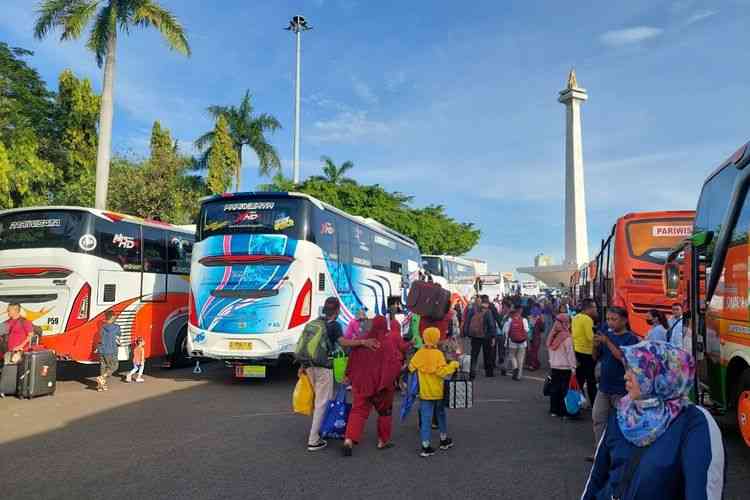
(181, 435)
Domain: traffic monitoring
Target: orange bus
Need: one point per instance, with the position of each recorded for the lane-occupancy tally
(628, 269)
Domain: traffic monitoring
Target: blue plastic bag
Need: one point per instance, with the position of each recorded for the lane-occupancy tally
(412, 393)
(336, 416)
(574, 397)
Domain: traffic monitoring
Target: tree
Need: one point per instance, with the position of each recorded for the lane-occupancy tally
(72, 16)
(335, 174)
(246, 130)
(74, 149)
(279, 184)
(222, 158)
(31, 178)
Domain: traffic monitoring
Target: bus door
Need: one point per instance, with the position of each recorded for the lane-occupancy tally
(154, 269)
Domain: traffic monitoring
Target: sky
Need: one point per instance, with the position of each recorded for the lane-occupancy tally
(452, 102)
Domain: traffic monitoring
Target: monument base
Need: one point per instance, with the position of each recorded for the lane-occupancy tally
(553, 276)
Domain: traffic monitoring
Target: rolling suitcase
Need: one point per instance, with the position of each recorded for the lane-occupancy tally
(9, 380)
(38, 374)
(428, 299)
(458, 391)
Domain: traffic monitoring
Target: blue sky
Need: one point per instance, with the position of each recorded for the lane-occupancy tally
(453, 102)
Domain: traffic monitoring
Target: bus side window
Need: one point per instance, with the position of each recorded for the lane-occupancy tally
(154, 251)
(180, 250)
(120, 242)
(361, 244)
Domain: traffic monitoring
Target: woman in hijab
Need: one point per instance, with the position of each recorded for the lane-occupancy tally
(658, 444)
(373, 376)
(562, 362)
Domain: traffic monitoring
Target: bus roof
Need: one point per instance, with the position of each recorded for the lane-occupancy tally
(663, 214)
(108, 215)
(365, 221)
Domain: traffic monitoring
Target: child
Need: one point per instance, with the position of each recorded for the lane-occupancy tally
(431, 367)
(109, 340)
(139, 361)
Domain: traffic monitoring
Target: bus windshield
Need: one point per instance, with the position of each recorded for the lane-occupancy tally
(433, 265)
(43, 229)
(254, 216)
(652, 240)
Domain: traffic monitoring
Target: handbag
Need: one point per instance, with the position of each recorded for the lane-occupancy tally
(458, 391)
(547, 387)
(340, 361)
(574, 397)
(336, 416)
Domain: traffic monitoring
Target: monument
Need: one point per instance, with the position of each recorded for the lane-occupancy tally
(576, 232)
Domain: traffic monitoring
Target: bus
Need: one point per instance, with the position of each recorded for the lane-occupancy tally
(67, 265)
(455, 274)
(493, 285)
(717, 254)
(264, 263)
(628, 270)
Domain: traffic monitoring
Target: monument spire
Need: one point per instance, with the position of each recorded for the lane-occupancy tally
(576, 231)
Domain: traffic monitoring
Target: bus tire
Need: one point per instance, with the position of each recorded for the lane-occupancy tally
(743, 405)
(180, 356)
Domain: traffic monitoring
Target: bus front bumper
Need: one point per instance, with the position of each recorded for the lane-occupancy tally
(258, 348)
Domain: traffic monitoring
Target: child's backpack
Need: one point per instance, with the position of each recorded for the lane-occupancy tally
(517, 332)
(313, 346)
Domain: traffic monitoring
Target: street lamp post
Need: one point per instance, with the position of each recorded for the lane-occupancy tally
(298, 24)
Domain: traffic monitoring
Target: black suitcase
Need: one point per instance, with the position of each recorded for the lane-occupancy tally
(9, 380)
(38, 374)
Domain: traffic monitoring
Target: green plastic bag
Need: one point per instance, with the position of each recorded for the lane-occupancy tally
(340, 360)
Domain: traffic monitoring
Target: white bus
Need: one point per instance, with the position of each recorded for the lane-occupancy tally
(264, 263)
(66, 266)
(456, 274)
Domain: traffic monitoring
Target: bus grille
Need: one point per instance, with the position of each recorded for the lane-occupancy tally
(647, 274)
(644, 308)
(126, 320)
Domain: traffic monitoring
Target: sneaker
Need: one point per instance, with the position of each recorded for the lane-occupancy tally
(554, 415)
(128, 379)
(446, 444)
(427, 452)
(139, 380)
(318, 446)
(434, 426)
(503, 372)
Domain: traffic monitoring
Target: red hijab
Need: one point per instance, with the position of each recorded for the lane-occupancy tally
(373, 371)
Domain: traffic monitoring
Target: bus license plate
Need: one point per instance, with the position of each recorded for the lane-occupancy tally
(246, 371)
(240, 346)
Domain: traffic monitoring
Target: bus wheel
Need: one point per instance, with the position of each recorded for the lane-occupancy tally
(180, 355)
(743, 406)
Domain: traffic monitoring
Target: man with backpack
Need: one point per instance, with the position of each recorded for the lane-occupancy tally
(313, 352)
(516, 330)
(481, 328)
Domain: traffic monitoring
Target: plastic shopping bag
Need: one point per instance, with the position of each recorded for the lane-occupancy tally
(412, 393)
(303, 396)
(574, 397)
(340, 360)
(336, 416)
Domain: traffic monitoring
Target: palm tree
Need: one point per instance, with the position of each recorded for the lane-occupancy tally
(279, 183)
(334, 174)
(72, 16)
(246, 130)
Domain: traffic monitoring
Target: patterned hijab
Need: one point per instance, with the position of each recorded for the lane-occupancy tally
(665, 375)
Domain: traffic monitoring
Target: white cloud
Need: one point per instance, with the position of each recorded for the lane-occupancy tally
(364, 91)
(700, 16)
(320, 100)
(628, 36)
(351, 127)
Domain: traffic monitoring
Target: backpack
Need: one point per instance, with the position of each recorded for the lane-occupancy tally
(517, 332)
(313, 347)
(476, 326)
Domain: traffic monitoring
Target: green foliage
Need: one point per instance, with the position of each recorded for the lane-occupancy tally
(333, 173)
(76, 118)
(160, 187)
(72, 16)
(222, 158)
(433, 230)
(31, 177)
(246, 129)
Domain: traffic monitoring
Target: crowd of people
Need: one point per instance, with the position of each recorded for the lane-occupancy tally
(649, 439)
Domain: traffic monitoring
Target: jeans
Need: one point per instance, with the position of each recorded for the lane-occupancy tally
(136, 369)
(322, 382)
(427, 408)
(585, 373)
(484, 345)
(500, 347)
(604, 405)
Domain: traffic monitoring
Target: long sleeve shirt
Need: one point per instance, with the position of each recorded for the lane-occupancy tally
(686, 462)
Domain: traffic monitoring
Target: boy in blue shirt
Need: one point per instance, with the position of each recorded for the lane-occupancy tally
(612, 380)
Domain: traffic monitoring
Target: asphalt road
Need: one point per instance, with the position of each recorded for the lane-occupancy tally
(181, 435)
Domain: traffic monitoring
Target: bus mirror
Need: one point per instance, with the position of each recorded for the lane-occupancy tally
(702, 239)
(671, 280)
